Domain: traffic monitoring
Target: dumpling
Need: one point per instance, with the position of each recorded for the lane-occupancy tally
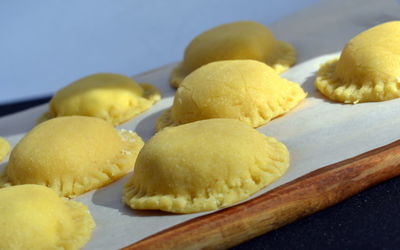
(238, 40)
(34, 217)
(203, 166)
(368, 69)
(112, 97)
(72, 155)
(246, 90)
(4, 148)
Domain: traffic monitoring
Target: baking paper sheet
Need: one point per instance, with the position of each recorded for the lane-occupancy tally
(317, 132)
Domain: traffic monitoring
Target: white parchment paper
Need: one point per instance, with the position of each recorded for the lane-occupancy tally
(317, 132)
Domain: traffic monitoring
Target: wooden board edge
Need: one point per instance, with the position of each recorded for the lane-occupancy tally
(301, 197)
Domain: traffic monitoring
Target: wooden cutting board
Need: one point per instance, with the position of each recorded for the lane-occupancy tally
(301, 197)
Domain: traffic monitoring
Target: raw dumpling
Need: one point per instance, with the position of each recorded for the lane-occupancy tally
(72, 155)
(246, 90)
(368, 69)
(238, 40)
(34, 217)
(204, 165)
(4, 148)
(112, 97)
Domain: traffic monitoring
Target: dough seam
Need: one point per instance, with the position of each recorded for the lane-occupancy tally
(258, 118)
(137, 197)
(83, 223)
(113, 170)
(335, 89)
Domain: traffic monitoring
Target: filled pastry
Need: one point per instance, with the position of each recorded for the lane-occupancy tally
(368, 69)
(246, 90)
(204, 165)
(72, 155)
(112, 97)
(238, 40)
(35, 217)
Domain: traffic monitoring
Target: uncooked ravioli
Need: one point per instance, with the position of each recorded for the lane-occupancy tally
(4, 148)
(35, 217)
(368, 69)
(204, 165)
(72, 155)
(246, 90)
(238, 40)
(112, 97)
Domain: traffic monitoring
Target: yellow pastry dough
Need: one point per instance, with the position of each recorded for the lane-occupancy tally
(238, 40)
(204, 165)
(4, 148)
(72, 155)
(34, 217)
(368, 69)
(246, 90)
(112, 97)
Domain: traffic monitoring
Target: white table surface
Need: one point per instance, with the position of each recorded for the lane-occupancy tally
(46, 44)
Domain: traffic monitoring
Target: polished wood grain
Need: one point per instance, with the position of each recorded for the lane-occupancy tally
(306, 195)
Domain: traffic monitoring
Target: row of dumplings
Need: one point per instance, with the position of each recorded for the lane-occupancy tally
(194, 167)
(234, 84)
(231, 71)
(206, 155)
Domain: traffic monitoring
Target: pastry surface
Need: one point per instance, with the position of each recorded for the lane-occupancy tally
(34, 217)
(112, 97)
(203, 166)
(246, 90)
(72, 155)
(238, 40)
(368, 69)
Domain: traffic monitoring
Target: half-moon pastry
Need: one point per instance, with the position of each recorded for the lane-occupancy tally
(72, 155)
(112, 97)
(238, 40)
(246, 90)
(204, 165)
(35, 217)
(368, 69)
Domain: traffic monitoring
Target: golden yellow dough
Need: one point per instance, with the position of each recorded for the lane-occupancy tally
(246, 90)
(238, 40)
(112, 97)
(368, 69)
(34, 217)
(72, 155)
(204, 165)
(4, 148)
